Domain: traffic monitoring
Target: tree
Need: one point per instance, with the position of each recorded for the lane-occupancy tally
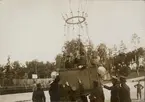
(1, 72)
(73, 46)
(59, 61)
(32, 66)
(123, 47)
(16, 65)
(114, 50)
(40, 68)
(140, 51)
(74, 54)
(135, 40)
(48, 69)
(102, 52)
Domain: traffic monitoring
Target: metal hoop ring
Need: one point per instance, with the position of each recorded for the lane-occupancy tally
(68, 21)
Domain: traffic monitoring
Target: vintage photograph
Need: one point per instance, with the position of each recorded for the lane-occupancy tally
(72, 50)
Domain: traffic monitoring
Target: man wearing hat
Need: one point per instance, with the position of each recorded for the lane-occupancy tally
(115, 88)
(38, 95)
(124, 90)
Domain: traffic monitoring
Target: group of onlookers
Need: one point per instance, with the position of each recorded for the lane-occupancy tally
(120, 91)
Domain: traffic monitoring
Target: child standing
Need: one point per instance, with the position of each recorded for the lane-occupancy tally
(139, 88)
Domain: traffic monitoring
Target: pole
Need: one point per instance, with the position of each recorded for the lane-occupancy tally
(79, 44)
(144, 88)
(88, 65)
(36, 70)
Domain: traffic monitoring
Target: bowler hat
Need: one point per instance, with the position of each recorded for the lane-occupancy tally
(122, 79)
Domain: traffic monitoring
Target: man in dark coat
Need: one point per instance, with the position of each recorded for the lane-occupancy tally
(38, 95)
(124, 90)
(54, 90)
(81, 87)
(97, 94)
(66, 92)
(81, 91)
(73, 94)
(115, 88)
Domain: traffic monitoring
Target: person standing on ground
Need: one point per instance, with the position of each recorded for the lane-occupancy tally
(97, 94)
(124, 90)
(66, 92)
(81, 87)
(54, 90)
(34, 85)
(115, 88)
(73, 94)
(139, 88)
(38, 95)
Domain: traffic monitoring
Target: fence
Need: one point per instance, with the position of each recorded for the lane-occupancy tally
(24, 82)
(86, 76)
(30, 82)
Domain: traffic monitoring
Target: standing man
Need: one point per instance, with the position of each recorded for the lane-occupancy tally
(124, 90)
(54, 88)
(139, 88)
(97, 94)
(81, 87)
(115, 88)
(68, 91)
(38, 95)
(34, 85)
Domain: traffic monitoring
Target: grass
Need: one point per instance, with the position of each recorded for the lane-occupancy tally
(134, 74)
(131, 75)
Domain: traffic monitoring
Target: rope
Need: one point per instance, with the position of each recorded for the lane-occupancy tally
(67, 32)
(87, 32)
(85, 5)
(79, 5)
(70, 5)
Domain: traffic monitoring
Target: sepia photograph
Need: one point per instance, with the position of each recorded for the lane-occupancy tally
(72, 50)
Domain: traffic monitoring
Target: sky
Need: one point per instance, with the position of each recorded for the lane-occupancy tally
(34, 29)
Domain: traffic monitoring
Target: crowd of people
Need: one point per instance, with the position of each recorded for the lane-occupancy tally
(120, 91)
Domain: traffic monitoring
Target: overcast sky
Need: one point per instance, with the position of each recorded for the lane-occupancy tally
(34, 29)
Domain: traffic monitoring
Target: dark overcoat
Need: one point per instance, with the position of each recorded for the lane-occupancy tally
(97, 95)
(38, 96)
(54, 90)
(115, 91)
(125, 93)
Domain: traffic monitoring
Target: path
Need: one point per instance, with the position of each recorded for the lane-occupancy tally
(26, 97)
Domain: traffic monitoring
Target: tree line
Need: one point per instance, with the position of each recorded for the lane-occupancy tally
(95, 55)
(18, 71)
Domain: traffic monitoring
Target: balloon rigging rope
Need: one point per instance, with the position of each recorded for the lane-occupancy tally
(88, 34)
(85, 5)
(70, 5)
(79, 5)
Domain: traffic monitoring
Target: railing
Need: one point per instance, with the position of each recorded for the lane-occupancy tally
(14, 90)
